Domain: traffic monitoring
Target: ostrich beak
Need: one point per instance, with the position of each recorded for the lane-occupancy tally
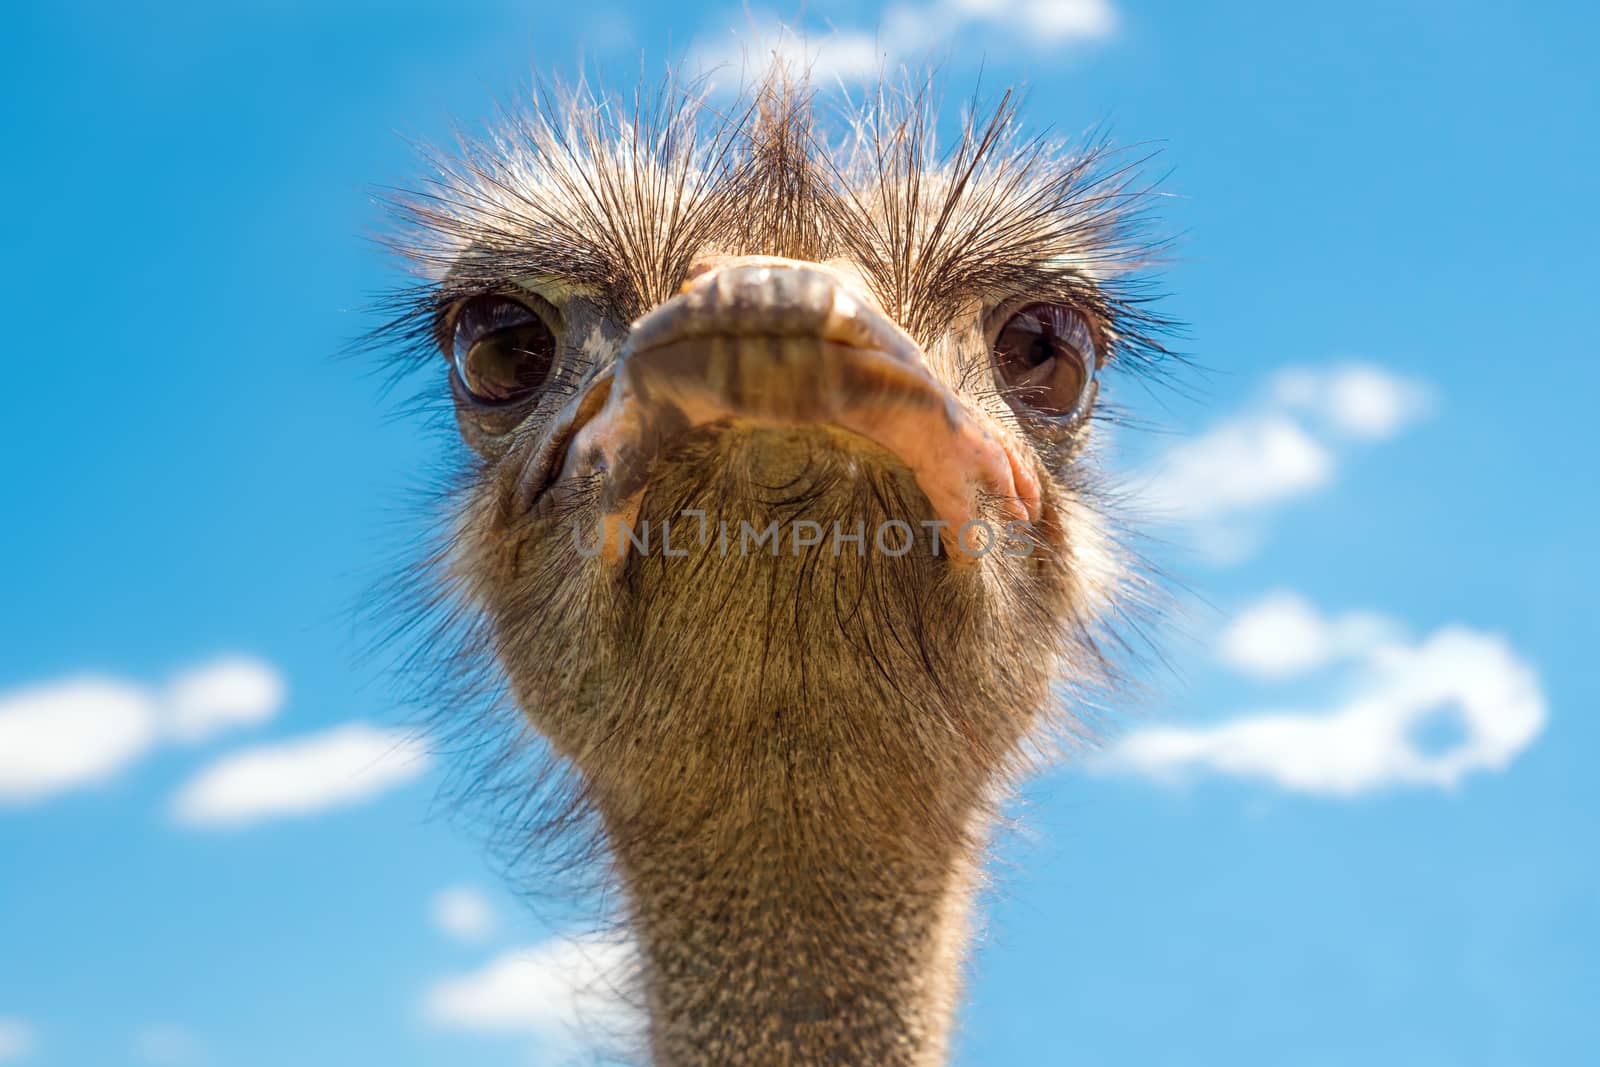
(782, 343)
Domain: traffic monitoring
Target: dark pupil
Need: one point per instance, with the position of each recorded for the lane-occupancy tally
(1040, 350)
(509, 362)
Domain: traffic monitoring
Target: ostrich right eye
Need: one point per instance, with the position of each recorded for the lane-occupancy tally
(501, 349)
(1044, 356)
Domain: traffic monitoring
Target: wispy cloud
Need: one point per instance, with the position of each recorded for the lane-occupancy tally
(838, 54)
(1356, 399)
(1422, 714)
(1282, 635)
(79, 732)
(16, 1039)
(1245, 462)
(907, 31)
(166, 1044)
(464, 913)
(222, 695)
(333, 769)
(76, 733)
(563, 993)
(1285, 445)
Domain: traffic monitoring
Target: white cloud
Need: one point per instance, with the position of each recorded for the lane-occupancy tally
(79, 732)
(1469, 682)
(1282, 635)
(1244, 462)
(1358, 399)
(336, 768)
(1059, 21)
(464, 913)
(910, 27)
(16, 1039)
(64, 735)
(1286, 444)
(556, 992)
(847, 55)
(226, 693)
(166, 1044)
(909, 31)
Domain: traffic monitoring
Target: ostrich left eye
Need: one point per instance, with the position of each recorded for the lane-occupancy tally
(1044, 358)
(501, 349)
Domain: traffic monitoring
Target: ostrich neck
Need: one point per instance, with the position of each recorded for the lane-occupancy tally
(782, 936)
(796, 761)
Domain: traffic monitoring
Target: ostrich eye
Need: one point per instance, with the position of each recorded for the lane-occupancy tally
(501, 350)
(1045, 359)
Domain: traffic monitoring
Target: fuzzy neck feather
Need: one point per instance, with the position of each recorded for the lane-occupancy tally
(799, 775)
(809, 949)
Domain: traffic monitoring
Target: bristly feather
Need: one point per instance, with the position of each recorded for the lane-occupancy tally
(586, 192)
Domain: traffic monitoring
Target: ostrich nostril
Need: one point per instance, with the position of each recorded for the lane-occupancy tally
(774, 298)
(708, 264)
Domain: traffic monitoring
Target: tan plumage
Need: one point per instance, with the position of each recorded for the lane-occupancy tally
(788, 763)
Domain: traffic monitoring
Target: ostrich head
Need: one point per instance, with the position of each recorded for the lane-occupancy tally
(780, 520)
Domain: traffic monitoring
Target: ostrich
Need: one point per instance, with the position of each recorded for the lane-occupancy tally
(778, 520)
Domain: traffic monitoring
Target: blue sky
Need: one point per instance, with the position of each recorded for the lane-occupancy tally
(1351, 820)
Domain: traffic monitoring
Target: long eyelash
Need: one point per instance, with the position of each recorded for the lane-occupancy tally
(576, 370)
